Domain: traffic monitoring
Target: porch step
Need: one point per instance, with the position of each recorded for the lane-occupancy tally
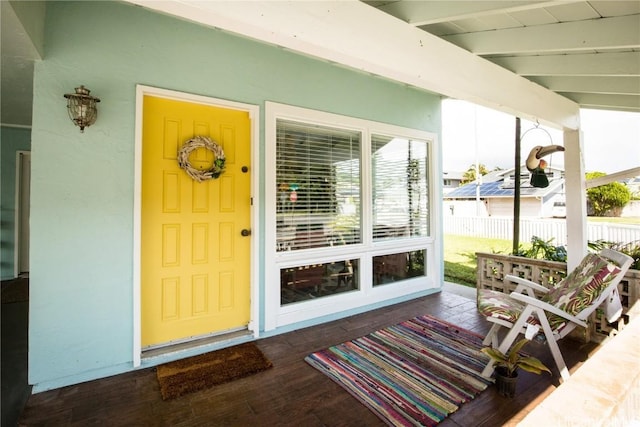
(462, 290)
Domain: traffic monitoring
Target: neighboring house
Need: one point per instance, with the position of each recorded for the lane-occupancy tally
(496, 192)
(451, 181)
(632, 209)
(633, 184)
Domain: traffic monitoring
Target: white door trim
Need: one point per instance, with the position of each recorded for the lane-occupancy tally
(254, 114)
(19, 214)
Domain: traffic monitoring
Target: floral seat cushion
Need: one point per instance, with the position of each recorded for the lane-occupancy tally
(581, 288)
(499, 305)
(576, 292)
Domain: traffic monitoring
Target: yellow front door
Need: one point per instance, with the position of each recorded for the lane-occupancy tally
(195, 260)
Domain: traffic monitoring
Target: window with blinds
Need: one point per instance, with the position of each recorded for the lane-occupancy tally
(400, 187)
(318, 186)
(330, 176)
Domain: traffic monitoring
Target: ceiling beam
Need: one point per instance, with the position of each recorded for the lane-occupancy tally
(594, 64)
(364, 38)
(420, 13)
(605, 102)
(603, 85)
(593, 34)
(613, 177)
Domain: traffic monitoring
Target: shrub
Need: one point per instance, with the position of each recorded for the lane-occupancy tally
(543, 249)
(608, 198)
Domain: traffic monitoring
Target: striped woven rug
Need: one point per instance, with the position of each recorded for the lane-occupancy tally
(414, 373)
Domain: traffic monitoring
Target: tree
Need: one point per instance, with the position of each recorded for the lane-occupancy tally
(608, 199)
(470, 174)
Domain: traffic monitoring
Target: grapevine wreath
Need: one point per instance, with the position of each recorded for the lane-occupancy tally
(217, 167)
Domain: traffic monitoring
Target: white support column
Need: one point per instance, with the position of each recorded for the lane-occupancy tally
(576, 198)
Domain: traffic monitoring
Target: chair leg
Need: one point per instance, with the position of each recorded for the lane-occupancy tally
(508, 340)
(488, 370)
(555, 350)
(503, 347)
(492, 336)
(557, 356)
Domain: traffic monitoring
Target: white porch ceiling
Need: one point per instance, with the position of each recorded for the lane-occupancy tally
(540, 60)
(586, 51)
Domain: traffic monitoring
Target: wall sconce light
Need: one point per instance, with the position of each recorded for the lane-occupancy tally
(82, 107)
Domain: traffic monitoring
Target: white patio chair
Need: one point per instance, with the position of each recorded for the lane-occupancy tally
(560, 309)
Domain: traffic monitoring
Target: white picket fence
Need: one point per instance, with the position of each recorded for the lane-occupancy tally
(502, 228)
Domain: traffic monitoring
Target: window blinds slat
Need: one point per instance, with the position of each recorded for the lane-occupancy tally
(318, 179)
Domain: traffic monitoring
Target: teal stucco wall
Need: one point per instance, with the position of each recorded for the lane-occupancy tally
(81, 308)
(13, 140)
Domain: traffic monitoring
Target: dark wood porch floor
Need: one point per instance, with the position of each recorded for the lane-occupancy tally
(292, 393)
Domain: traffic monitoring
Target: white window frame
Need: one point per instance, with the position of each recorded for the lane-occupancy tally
(276, 315)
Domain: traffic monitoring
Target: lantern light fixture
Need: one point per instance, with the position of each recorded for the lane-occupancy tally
(82, 107)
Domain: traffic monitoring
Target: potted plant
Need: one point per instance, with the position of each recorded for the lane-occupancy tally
(507, 366)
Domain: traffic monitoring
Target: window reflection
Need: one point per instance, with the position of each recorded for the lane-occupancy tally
(317, 280)
(392, 268)
(400, 187)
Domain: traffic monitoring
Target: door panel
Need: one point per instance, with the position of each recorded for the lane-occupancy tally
(195, 264)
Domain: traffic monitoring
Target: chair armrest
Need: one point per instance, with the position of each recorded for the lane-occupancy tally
(623, 261)
(547, 307)
(525, 285)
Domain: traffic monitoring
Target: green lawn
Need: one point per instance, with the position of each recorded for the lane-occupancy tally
(459, 252)
(460, 256)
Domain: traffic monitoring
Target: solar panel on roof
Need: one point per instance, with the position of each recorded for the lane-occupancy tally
(501, 189)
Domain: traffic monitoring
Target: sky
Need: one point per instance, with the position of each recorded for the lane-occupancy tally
(611, 139)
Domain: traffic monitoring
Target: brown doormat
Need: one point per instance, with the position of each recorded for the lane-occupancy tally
(199, 372)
